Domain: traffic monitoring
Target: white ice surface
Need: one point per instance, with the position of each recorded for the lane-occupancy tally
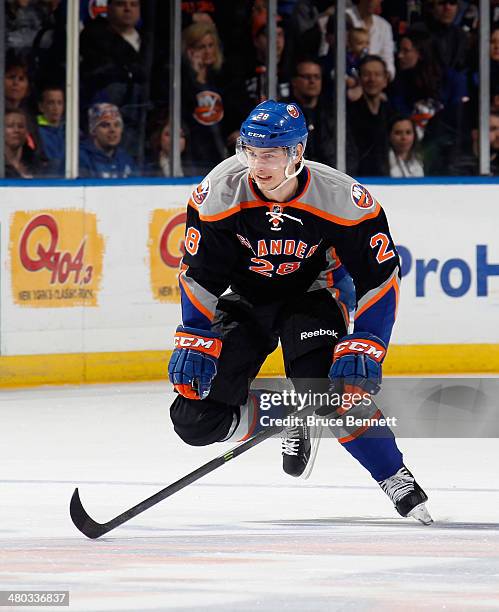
(244, 538)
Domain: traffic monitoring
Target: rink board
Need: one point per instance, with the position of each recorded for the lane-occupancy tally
(89, 290)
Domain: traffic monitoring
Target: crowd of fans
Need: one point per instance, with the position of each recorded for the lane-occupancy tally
(411, 82)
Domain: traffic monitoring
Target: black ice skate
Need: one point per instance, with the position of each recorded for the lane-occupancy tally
(408, 497)
(299, 449)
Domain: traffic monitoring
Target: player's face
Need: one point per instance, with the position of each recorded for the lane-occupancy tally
(402, 136)
(108, 133)
(15, 130)
(408, 55)
(52, 106)
(494, 46)
(267, 166)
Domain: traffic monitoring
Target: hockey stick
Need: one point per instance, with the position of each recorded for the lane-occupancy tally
(94, 530)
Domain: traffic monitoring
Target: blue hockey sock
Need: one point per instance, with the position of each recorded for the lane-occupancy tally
(377, 451)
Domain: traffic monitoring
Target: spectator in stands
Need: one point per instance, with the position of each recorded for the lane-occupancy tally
(357, 48)
(17, 90)
(16, 81)
(304, 28)
(369, 117)
(423, 86)
(256, 86)
(102, 155)
(494, 72)
(494, 43)
(363, 15)
(401, 15)
(450, 41)
(48, 54)
(160, 148)
(21, 161)
(248, 89)
(403, 158)
(113, 65)
(306, 90)
(494, 54)
(23, 20)
(467, 162)
(494, 97)
(198, 11)
(494, 11)
(51, 128)
(467, 17)
(203, 95)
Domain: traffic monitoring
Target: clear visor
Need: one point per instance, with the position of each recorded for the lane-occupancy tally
(270, 159)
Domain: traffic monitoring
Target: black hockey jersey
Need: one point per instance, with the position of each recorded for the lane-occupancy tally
(331, 230)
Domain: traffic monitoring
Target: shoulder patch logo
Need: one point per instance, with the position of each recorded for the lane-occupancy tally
(293, 111)
(360, 196)
(201, 192)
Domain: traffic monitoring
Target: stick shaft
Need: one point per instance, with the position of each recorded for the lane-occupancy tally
(92, 529)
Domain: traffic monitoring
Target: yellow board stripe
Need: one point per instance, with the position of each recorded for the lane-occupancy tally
(75, 368)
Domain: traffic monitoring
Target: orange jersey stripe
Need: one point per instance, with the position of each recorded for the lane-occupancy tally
(227, 213)
(334, 218)
(361, 430)
(379, 295)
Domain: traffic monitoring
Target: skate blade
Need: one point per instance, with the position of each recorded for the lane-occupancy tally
(315, 440)
(421, 514)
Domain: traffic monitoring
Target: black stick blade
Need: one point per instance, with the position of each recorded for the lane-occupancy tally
(82, 521)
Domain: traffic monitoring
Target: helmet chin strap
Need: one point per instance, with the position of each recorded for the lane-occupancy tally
(288, 176)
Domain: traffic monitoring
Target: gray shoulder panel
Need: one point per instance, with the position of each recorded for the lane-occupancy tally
(222, 189)
(338, 195)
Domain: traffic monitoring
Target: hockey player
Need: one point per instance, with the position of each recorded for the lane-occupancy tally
(287, 237)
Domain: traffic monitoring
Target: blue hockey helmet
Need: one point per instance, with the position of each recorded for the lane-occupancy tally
(274, 124)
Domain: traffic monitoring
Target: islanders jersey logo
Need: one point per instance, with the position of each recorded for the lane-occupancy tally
(96, 8)
(209, 109)
(361, 197)
(201, 192)
(293, 111)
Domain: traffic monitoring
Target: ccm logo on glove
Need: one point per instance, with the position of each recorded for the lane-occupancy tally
(352, 347)
(210, 346)
(194, 360)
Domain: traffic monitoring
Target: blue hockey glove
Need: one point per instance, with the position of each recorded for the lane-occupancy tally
(193, 363)
(357, 360)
